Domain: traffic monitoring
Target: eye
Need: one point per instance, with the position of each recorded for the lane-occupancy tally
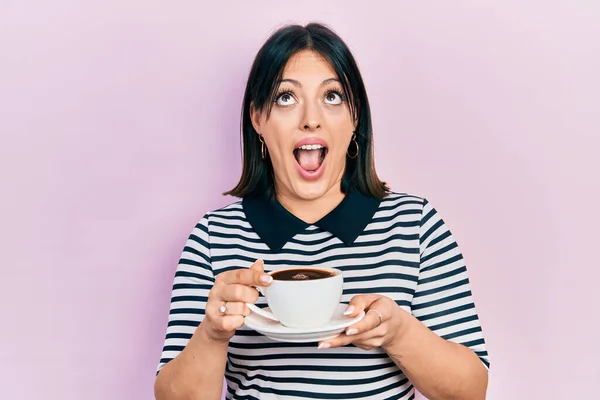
(285, 99)
(334, 98)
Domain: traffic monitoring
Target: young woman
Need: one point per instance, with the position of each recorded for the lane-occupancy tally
(310, 196)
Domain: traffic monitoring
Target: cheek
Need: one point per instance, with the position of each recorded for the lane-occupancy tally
(277, 138)
(341, 128)
(343, 142)
(339, 116)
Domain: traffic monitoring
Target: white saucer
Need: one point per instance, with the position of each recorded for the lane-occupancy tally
(274, 330)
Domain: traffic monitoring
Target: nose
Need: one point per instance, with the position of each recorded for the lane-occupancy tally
(311, 120)
(311, 125)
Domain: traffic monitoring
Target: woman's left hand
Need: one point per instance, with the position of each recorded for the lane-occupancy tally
(382, 323)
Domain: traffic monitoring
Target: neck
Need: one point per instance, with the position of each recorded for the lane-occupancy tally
(310, 211)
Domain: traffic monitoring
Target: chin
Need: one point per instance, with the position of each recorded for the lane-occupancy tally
(311, 190)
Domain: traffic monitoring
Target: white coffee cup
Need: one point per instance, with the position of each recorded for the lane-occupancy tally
(302, 303)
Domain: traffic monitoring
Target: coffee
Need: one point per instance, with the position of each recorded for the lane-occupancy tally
(302, 274)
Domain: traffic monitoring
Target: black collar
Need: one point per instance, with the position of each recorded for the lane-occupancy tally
(276, 226)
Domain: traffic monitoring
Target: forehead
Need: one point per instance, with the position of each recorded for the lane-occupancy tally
(307, 65)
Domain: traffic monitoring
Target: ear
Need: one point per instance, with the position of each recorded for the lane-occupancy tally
(357, 111)
(255, 118)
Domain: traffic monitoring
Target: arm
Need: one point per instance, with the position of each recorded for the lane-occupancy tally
(188, 351)
(195, 352)
(441, 346)
(438, 368)
(197, 372)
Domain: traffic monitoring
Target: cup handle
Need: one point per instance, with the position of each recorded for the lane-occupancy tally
(259, 311)
(263, 313)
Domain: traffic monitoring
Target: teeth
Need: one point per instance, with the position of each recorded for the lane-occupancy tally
(310, 147)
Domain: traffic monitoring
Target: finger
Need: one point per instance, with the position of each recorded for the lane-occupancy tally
(241, 293)
(339, 341)
(371, 343)
(219, 321)
(360, 303)
(236, 308)
(258, 266)
(253, 276)
(369, 322)
(345, 339)
(230, 323)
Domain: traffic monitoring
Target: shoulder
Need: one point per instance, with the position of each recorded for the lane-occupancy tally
(230, 214)
(232, 211)
(400, 200)
(401, 203)
(227, 216)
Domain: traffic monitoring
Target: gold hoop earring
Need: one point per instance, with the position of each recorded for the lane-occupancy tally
(356, 145)
(262, 146)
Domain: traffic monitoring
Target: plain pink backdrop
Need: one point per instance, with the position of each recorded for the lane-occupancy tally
(119, 126)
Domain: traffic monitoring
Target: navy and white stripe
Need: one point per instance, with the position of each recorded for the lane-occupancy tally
(406, 253)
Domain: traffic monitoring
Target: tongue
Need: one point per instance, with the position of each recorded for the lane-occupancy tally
(309, 160)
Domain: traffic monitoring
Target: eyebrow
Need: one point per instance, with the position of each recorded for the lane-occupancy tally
(299, 85)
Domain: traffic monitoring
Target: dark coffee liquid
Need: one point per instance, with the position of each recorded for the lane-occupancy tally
(301, 274)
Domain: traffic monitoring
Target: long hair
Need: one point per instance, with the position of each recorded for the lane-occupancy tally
(257, 178)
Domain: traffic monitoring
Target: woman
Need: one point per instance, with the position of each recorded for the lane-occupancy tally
(311, 196)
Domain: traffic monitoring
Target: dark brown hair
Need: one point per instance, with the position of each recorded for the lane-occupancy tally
(267, 70)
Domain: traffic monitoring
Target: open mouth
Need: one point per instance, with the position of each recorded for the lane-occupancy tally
(310, 156)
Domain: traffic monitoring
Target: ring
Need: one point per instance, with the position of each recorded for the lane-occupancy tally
(223, 308)
(378, 315)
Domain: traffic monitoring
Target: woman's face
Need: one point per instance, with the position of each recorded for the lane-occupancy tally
(309, 129)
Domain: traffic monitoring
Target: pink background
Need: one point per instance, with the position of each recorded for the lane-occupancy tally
(119, 128)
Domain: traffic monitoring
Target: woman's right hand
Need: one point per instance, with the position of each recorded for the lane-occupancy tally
(232, 289)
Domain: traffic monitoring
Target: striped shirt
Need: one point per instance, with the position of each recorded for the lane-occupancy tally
(397, 247)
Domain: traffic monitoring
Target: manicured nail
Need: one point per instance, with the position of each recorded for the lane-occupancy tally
(266, 278)
(324, 346)
(351, 332)
(349, 310)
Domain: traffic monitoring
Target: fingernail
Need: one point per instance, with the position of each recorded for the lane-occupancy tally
(266, 278)
(351, 332)
(324, 346)
(349, 310)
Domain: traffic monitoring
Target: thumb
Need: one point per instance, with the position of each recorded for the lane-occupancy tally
(258, 273)
(258, 266)
(359, 304)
